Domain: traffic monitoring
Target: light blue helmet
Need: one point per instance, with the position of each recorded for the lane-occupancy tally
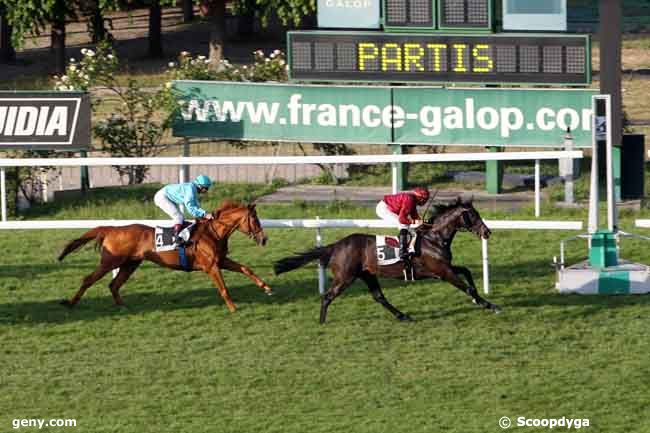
(203, 181)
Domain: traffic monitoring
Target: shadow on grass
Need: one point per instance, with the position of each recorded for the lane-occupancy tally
(138, 303)
(591, 304)
(288, 292)
(35, 269)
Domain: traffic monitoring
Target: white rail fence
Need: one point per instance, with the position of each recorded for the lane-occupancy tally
(317, 224)
(279, 160)
(645, 224)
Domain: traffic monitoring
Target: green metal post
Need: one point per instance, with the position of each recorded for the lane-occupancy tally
(493, 173)
(602, 253)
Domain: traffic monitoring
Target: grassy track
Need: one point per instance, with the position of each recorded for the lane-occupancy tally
(177, 361)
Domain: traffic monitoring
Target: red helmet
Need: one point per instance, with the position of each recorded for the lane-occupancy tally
(421, 193)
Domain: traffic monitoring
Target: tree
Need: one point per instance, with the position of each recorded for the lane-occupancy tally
(29, 17)
(155, 29)
(7, 52)
(215, 12)
(188, 10)
(290, 12)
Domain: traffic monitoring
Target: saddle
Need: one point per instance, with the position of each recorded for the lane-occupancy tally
(164, 236)
(388, 248)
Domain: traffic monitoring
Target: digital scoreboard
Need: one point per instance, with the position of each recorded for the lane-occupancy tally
(481, 58)
(465, 14)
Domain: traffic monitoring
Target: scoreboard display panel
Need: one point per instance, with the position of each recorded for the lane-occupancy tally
(433, 15)
(486, 59)
(465, 14)
(409, 14)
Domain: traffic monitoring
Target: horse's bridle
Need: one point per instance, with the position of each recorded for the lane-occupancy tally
(253, 234)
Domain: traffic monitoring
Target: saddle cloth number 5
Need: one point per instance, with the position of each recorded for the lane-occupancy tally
(385, 252)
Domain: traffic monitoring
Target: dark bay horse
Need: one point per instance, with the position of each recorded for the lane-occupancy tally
(355, 256)
(126, 247)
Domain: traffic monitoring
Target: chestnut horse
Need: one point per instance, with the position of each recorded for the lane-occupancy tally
(355, 256)
(126, 247)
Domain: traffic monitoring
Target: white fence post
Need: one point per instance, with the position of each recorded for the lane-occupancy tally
(3, 194)
(322, 276)
(44, 189)
(486, 266)
(538, 192)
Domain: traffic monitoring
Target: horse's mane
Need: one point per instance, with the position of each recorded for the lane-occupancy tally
(443, 209)
(226, 205)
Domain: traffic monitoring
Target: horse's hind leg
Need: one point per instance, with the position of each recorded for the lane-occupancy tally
(338, 285)
(375, 290)
(126, 270)
(470, 289)
(90, 279)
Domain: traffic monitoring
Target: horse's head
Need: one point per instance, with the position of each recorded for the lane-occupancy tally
(460, 213)
(244, 217)
(252, 226)
(471, 220)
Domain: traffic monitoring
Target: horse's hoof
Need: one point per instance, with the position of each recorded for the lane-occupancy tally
(405, 318)
(66, 302)
(496, 309)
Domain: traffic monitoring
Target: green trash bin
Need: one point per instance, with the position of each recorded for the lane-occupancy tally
(633, 166)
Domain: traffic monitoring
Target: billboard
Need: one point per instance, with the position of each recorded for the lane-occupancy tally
(44, 120)
(381, 114)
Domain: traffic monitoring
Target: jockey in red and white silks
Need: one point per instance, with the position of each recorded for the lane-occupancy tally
(401, 209)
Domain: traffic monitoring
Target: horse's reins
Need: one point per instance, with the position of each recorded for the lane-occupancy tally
(430, 204)
(228, 227)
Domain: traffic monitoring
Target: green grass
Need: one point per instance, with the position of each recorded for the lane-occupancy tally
(177, 361)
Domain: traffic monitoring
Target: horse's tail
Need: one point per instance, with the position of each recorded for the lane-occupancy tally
(294, 262)
(96, 234)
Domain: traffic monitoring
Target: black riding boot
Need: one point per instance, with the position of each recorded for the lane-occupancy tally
(405, 255)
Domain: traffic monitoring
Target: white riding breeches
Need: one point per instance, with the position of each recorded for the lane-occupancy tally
(168, 206)
(387, 215)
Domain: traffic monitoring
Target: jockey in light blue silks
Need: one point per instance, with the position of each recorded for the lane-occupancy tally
(169, 197)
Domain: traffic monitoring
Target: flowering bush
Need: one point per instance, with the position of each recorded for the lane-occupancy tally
(94, 68)
(140, 117)
(271, 68)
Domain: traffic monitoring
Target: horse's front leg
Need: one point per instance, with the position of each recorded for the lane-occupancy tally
(473, 292)
(233, 266)
(217, 278)
(450, 274)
